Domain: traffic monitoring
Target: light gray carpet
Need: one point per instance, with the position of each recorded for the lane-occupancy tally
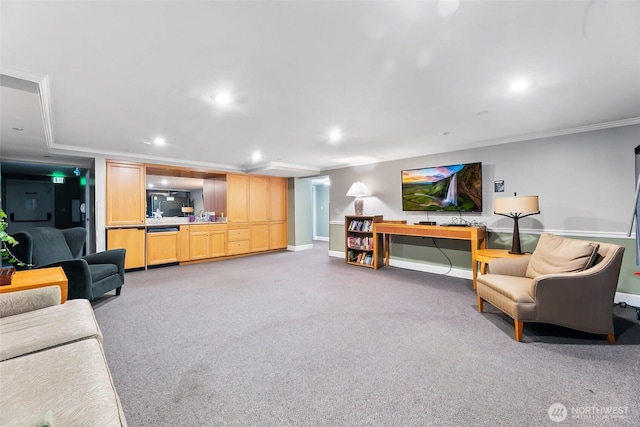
(302, 339)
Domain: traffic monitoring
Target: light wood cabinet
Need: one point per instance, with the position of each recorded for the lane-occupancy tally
(207, 241)
(258, 198)
(184, 243)
(198, 245)
(268, 213)
(163, 247)
(268, 236)
(125, 191)
(259, 237)
(218, 243)
(277, 235)
(237, 198)
(131, 239)
(239, 236)
(277, 199)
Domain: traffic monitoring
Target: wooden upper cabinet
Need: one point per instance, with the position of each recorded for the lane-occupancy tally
(258, 198)
(277, 199)
(237, 198)
(125, 190)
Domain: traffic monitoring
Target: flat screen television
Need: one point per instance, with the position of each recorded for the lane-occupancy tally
(456, 188)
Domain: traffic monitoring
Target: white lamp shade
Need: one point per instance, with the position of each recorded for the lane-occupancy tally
(358, 189)
(516, 205)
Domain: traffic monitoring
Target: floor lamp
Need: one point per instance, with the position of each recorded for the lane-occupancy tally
(516, 207)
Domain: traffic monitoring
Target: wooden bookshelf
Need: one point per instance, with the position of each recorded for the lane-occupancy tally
(359, 240)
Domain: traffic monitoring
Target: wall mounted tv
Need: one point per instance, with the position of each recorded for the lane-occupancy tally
(456, 188)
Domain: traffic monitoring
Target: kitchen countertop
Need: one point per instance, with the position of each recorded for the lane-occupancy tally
(168, 222)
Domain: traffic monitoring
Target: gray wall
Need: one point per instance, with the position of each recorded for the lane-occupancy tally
(585, 181)
(322, 210)
(303, 213)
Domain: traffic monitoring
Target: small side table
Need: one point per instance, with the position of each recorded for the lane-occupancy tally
(38, 278)
(484, 256)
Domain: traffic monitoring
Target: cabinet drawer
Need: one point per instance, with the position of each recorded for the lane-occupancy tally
(238, 247)
(239, 234)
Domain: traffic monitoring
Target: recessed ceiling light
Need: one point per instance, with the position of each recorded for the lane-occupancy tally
(519, 85)
(18, 129)
(222, 99)
(164, 182)
(145, 142)
(150, 185)
(335, 135)
(256, 156)
(159, 141)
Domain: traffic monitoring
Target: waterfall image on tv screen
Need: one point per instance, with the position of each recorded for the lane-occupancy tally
(443, 188)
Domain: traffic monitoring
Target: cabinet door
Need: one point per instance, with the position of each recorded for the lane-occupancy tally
(125, 191)
(218, 243)
(277, 199)
(199, 244)
(131, 239)
(277, 235)
(259, 237)
(163, 248)
(258, 198)
(184, 243)
(237, 198)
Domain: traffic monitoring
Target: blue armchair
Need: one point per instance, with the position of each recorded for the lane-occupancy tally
(89, 276)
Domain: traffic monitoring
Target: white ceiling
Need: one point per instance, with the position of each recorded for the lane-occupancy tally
(393, 75)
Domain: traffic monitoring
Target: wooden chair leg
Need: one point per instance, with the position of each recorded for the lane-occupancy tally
(480, 304)
(611, 338)
(518, 324)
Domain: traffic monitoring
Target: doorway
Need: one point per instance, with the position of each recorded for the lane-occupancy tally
(320, 209)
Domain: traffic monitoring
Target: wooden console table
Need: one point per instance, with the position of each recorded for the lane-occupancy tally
(38, 278)
(476, 235)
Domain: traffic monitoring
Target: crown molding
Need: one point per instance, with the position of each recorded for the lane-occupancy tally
(507, 140)
(42, 81)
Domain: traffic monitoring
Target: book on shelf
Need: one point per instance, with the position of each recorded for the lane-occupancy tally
(364, 243)
(361, 225)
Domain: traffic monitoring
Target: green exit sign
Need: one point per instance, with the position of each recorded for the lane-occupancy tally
(57, 179)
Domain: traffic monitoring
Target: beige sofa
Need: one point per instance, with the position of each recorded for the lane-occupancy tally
(53, 370)
(566, 282)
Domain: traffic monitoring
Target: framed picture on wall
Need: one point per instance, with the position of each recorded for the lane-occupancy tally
(498, 186)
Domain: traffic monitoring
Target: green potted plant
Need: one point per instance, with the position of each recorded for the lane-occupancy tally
(6, 273)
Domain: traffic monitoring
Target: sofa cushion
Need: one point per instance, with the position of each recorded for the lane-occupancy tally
(38, 420)
(48, 327)
(73, 380)
(101, 271)
(12, 303)
(517, 289)
(555, 254)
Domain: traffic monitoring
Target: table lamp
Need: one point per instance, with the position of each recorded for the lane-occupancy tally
(516, 207)
(358, 190)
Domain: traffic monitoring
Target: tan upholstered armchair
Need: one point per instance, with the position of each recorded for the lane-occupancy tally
(566, 282)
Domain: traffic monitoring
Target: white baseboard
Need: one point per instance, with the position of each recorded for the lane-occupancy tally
(630, 299)
(336, 254)
(299, 247)
(418, 266)
(431, 268)
(321, 238)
